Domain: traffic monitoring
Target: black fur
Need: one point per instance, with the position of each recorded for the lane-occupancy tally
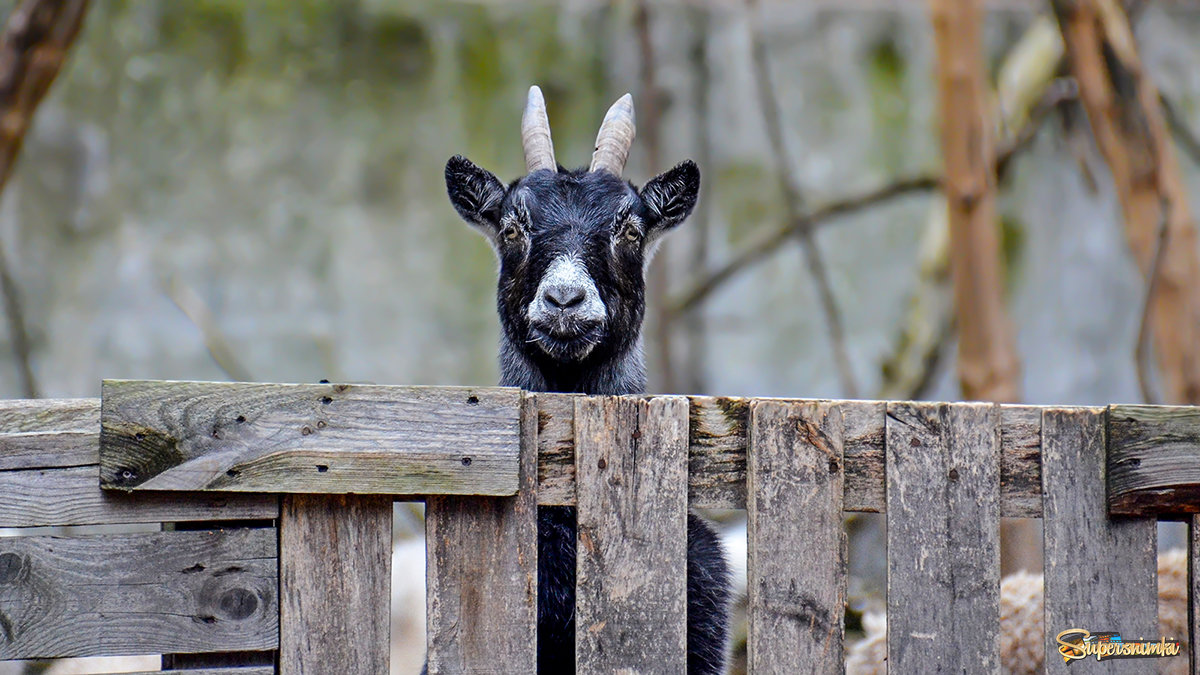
(611, 228)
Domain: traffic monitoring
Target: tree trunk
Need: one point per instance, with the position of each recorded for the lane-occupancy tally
(988, 367)
(33, 46)
(1127, 122)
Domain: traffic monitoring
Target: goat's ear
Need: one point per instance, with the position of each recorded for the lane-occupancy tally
(475, 193)
(672, 195)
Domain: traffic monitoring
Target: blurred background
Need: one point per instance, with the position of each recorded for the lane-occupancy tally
(218, 189)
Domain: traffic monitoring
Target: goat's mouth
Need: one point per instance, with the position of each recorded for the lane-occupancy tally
(567, 341)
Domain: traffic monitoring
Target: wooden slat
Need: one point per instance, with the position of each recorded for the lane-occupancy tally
(943, 537)
(1194, 594)
(335, 555)
(717, 454)
(71, 496)
(481, 573)
(231, 670)
(326, 438)
(138, 594)
(631, 588)
(1100, 572)
(1153, 459)
(49, 460)
(797, 547)
(42, 433)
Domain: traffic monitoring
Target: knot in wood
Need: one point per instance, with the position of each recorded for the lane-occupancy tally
(10, 567)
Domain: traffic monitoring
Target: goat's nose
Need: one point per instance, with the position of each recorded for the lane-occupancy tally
(564, 297)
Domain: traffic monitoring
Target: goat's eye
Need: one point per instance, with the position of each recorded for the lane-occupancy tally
(511, 233)
(631, 233)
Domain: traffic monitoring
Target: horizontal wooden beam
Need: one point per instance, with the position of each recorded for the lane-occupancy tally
(1153, 459)
(315, 438)
(202, 591)
(717, 451)
(48, 451)
(49, 461)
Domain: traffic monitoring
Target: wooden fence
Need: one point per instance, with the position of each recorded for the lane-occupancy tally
(279, 504)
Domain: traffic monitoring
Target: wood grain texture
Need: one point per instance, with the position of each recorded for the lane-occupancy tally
(137, 594)
(943, 537)
(1153, 459)
(231, 670)
(1101, 573)
(631, 566)
(1194, 594)
(71, 496)
(797, 547)
(481, 573)
(717, 436)
(42, 433)
(335, 555)
(321, 438)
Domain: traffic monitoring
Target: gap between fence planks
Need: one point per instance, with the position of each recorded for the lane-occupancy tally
(209, 591)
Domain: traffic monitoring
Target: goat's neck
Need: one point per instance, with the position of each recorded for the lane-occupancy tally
(622, 373)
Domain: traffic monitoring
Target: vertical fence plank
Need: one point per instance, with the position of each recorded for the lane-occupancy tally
(1100, 573)
(481, 577)
(943, 521)
(335, 555)
(797, 548)
(1194, 594)
(631, 588)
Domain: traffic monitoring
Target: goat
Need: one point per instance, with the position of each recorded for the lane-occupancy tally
(573, 248)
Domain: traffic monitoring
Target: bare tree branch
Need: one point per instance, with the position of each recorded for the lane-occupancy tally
(794, 203)
(16, 329)
(1141, 353)
(768, 242)
(191, 304)
(1188, 141)
(33, 47)
(1125, 111)
(651, 126)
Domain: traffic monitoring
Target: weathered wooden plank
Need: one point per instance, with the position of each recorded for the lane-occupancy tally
(631, 566)
(1153, 459)
(796, 544)
(70, 496)
(137, 594)
(481, 573)
(717, 454)
(229, 670)
(1194, 594)
(326, 438)
(38, 433)
(1100, 572)
(335, 556)
(943, 537)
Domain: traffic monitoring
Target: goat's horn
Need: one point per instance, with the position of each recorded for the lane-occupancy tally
(615, 137)
(535, 133)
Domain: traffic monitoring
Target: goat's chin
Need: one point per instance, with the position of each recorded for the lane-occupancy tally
(565, 348)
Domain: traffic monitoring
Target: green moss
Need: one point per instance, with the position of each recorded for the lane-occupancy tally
(886, 72)
(1012, 245)
(748, 198)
